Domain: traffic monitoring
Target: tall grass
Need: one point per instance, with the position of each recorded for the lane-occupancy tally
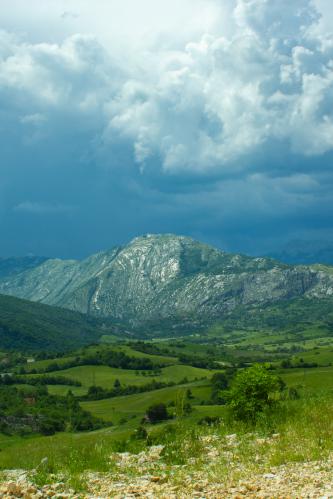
(298, 430)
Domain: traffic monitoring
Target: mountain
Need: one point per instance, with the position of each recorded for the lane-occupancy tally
(305, 253)
(167, 278)
(11, 266)
(28, 326)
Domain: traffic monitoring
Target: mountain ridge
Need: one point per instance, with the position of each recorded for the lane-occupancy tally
(164, 276)
(12, 265)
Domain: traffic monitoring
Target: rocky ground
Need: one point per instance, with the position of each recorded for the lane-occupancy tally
(146, 476)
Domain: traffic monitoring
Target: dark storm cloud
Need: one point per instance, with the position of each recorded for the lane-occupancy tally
(227, 136)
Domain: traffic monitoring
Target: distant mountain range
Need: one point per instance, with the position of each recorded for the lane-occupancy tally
(168, 278)
(305, 252)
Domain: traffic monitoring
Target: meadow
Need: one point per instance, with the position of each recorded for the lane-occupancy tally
(123, 414)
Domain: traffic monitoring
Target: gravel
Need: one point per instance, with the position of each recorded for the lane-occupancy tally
(146, 476)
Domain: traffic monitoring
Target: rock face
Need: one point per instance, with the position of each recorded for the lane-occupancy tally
(163, 277)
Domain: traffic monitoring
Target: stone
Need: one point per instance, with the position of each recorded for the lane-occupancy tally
(14, 489)
(270, 476)
(155, 479)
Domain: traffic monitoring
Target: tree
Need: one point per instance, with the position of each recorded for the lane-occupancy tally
(251, 392)
(157, 413)
(286, 364)
(187, 409)
(116, 384)
(220, 381)
(189, 394)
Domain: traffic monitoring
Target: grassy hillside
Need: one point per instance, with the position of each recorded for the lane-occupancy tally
(295, 314)
(199, 437)
(27, 326)
(130, 409)
(198, 410)
(105, 376)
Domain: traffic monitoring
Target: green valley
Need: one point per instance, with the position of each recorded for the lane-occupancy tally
(247, 354)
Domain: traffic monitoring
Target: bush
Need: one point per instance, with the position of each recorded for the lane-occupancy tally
(220, 381)
(140, 433)
(187, 409)
(251, 392)
(209, 421)
(293, 393)
(189, 394)
(157, 413)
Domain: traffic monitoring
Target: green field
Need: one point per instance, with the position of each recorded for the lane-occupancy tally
(315, 380)
(40, 365)
(160, 359)
(78, 391)
(134, 406)
(124, 414)
(28, 452)
(105, 376)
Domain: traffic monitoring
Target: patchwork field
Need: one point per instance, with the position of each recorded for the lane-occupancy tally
(172, 361)
(317, 380)
(133, 407)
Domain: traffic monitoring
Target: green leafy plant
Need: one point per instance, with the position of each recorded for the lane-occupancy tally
(252, 392)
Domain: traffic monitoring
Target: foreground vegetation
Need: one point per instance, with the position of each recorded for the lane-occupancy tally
(199, 388)
(226, 451)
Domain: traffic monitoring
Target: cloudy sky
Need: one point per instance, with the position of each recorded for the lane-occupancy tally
(209, 118)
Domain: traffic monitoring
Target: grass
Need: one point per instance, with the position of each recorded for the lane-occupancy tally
(160, 359)
(43, 364)
(302, 433)
(313, 381)
(63, 450)
(62, 390)
(305, 429)
(105, 377)
(305, 426)
(133, 407)
(321, 355)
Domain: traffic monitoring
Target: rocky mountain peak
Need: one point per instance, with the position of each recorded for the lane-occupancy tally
(165, 276)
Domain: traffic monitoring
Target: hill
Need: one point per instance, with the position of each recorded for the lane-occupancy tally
(168, 280)
(12, 266)
(28, 326)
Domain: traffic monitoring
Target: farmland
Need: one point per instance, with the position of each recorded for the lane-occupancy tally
(175, 364)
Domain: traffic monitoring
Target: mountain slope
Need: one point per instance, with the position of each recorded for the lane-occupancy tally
(12, 266)
(28, 326)
(166, 277)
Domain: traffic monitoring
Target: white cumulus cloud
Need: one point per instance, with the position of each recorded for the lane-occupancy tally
(208, 104)
(222, 98)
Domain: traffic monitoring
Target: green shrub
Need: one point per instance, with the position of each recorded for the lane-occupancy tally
(140, 433)
(220, 381)
(157, 413)
(252, 392)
